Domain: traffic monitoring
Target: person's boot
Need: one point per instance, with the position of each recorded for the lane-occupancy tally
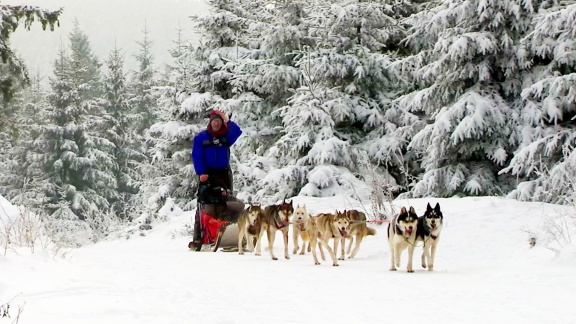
(196, 243)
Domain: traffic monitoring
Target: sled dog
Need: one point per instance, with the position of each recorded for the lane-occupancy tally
(329, 226)
(300, 224)
(429, 228)
(249, 227)
(276, 217)
(358, 231)
(401, 236)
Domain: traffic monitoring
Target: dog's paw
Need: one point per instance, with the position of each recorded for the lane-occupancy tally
(274, 258)
(316, 263)
(392, 269)
(335, 264)
(410, 271)
(241, 253)
(287, 257)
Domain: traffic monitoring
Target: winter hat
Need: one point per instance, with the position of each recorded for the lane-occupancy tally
(214, 115)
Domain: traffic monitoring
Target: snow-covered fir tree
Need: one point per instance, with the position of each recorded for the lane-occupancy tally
(262, 74)
(10, 103)
(177, 72)
(122, 124)
(546, 131)
(466, 92)
(14, 75)
(145, 113)
(24, 165)
(141, 82)
(343, 90)
(79, 163)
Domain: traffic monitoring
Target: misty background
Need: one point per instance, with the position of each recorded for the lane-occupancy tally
(122, 27)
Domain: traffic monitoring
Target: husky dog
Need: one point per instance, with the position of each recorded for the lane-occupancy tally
(300, 222)
(429, 228)
(276, 217)
(327, 226)
(358, 230)
(249, 227)
(402, 235)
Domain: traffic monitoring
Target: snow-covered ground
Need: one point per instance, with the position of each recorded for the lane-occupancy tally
(485, 272)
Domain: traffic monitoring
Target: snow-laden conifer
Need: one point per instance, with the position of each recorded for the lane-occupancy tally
(79, 160)
(466, 88)
(546, 131)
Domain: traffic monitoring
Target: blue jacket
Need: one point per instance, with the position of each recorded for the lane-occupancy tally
(209, 152)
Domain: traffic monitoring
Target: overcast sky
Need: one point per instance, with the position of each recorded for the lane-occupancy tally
(107, 22)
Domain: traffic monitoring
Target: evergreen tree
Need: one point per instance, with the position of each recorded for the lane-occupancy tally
(121, 130)
(263, 74)
(84, 64)
(344, 88)
(546, 132)
(24, 165)
(467, 85)
(142, 81)
(178, 72)
(80, 161)
(13, 79)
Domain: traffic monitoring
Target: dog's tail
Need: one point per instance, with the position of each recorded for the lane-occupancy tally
(371, 231)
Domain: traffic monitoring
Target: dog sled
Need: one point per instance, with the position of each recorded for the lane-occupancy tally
(216, 234)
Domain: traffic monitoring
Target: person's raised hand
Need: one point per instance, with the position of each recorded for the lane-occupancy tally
(203, 177)
(223, 115)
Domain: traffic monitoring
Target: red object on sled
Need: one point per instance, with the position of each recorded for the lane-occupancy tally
(210, 225)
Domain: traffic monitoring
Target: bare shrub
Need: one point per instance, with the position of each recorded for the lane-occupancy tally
(104, 223)
(382, 190)
(5, 312)
(558, 230)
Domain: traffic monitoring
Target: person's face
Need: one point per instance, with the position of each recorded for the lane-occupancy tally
(216, 124)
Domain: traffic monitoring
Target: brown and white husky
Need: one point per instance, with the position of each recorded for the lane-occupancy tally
(276, 218)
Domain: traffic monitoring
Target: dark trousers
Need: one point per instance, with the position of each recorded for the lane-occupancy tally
(218, 178)
(221, 178)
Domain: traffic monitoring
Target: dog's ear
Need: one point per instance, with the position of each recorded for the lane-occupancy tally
(428, 208)
(403, 210)
(412, 210)
(437, 208)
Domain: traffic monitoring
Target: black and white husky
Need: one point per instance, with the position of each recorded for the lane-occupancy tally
(429, 228)
(401, 236)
